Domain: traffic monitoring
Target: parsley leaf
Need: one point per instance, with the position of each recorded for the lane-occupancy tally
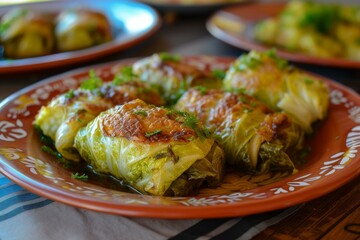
(281, 63)
(218, 73)
(149, 134)
(69, 94)
(164, 56)
(308, 80)
(93, 82)
(248, 61)
(82, 177)
(126, 75)
(201, 89)
(141, 112)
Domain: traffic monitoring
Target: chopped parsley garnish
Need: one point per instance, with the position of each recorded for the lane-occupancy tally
(201, 89)
(118, 81)
(244, 100)
(126, 75)
(308, 80)
(69, 94)
(218, 73)
(253, 104)
(191, 121)
(142, 90)
(82, 177)
(149, 134)
(206, 132)
(169, 57)
(248, 61)
(141, 112)
(281, 63)
(173, 111)
(191, 138)
(239, 90)
(93, 82)
(175, 97)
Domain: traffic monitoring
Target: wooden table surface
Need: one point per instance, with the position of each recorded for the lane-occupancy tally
(333, 216)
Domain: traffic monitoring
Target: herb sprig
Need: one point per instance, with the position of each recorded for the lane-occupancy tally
(93, 82)
(191, 121)
(150, 134)
(164, 56)
(82, 177)
(126, 75)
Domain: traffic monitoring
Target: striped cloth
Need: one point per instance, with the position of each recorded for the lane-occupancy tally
(24, 215)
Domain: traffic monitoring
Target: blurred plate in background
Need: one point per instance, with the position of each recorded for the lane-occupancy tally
(132, 22)
(235, 24)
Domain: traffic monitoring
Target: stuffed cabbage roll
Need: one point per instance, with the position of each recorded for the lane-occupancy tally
(67, 113)
(173, 76)
(81, 28)
(313, 28)
(255, 139)
(282, 87)
(25, 34)
(155, 150)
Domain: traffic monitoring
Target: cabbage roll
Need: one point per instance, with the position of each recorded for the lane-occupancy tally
(317, 29)
(173, 76)
(255, 139)
(157, 151)
(293, 38)
(68, 112)
(81, 28)
(282, 87)
(25, 34)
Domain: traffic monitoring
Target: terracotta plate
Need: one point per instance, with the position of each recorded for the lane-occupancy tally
(334, 160)
(235, 24)
(131, 22)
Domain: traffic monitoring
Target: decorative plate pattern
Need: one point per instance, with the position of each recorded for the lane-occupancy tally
(334, 159)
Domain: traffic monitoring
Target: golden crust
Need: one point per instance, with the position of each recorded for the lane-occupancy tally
(151, 126)
(273, 125)
(215, 106)
(131, 91)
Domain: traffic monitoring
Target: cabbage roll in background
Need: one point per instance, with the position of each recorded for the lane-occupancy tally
(255, 139)
(155, 150)
(318, 29)
(67, 113)
(81, 28)
(25, 34)
(173, 76)
(282, 87)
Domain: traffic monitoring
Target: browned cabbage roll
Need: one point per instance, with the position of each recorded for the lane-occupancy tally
(67, 113)
(156, 150)
(81, 28)
(173, 75)
(254, 139)
(25, 34)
